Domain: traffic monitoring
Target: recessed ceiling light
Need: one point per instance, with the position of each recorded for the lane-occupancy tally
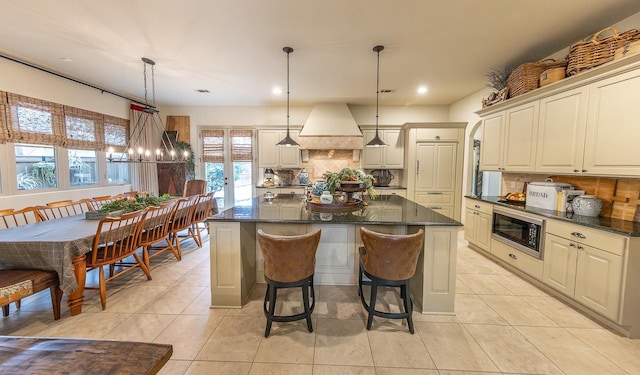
(277, 90)
(66, 59)
(202, 91)
(422, 90)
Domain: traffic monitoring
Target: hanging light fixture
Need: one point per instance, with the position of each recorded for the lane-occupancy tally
(377, 141)
(287, 140)
(147, 129)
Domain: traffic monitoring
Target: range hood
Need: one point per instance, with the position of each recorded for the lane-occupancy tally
(330, 126)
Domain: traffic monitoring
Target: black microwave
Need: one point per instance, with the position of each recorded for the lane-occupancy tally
(523, 232)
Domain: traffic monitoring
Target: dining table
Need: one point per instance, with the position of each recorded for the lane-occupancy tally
(57, 245)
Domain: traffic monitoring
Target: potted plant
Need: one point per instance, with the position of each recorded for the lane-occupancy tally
(350, 175)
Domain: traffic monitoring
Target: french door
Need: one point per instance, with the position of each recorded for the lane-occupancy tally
(227, 159)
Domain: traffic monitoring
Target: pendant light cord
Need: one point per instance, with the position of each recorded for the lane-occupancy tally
(288, 50)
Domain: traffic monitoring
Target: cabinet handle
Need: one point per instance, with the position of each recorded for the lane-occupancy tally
(576, 170)
(477, 206)
(437, 137)
(434, 193)
(578, 234)
(584, 171)
(572, 244)
(513, 256)
(435, 208)
(417, 166)
(580, 247)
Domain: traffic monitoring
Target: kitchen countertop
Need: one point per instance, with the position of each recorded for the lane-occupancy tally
(617, 226)
(302, 186)
(386, 210)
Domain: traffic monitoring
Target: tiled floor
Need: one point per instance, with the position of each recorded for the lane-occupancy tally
(502, 325)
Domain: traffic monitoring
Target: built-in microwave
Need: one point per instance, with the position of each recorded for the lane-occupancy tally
(523, 232)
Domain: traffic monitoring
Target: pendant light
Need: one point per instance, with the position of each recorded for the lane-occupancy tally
(287, 140)
(377, 141)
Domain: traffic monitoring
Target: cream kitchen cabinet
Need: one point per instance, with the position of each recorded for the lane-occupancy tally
(389, 157)
(478, 222)
(272, 156)
(436, 176)
(509, 140)
(574, 266)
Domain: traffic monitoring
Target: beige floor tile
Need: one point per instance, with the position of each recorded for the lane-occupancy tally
(343, 370)
(201, 305)
(168, 273)
(129, 299)
(140, 327)
(469, 373)
(517, 286)
(342, 342)
(280, 369)
(405, 371)
(200, 277)
(517, 311)
(398, 349)
(560, 313)
(172, 301)
(623, 351)
(222, 368)
(174, 367)
(462, 288)
(254, 307)
(86, 325)
(338, 302)
(442, 318)
(27, 323)
(510, 351)
(289, 342)
(568, 352)
(188, 334)
(483, 284)
(472, 309)
(453, 348)
(237, 339)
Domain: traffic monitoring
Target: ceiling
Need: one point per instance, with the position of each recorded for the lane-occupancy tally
(234, 48)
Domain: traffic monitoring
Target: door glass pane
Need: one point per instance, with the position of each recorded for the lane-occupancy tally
(118, 173)
(83, 168)
(35, 167)
(242, 183)
(215, 182)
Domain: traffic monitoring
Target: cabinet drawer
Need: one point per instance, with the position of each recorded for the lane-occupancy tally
(596, 238)
(444, 197)
(517, 259)
(436, 134)
(475, 205)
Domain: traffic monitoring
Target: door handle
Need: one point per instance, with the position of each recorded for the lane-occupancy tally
(417, 166)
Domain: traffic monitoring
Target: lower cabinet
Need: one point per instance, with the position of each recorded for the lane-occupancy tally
(477, 224)
(516, 258)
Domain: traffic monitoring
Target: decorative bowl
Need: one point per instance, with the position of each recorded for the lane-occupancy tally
(587, 205)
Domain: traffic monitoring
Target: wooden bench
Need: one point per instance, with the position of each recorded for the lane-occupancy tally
(18, 284)
(30, 355)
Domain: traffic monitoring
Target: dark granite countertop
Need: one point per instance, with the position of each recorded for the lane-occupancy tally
(288, 208)
(617, 226)
(302, 186)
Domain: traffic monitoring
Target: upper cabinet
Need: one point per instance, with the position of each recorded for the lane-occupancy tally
(509, 139)
(586, 124)
(272, 156)
(389, 157)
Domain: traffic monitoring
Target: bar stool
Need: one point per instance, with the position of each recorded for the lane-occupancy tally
(388, 260)
(289, 262)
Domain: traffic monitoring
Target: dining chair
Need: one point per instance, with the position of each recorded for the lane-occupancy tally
(182, 220)
(56, 210)
(156, 229)
(96, 203)
(116, 239)
(11, 218)
(289, 262)
(193, 187)
(202, 212)
(388, 260)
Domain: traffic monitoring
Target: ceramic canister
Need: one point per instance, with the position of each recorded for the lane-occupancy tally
(587, 205)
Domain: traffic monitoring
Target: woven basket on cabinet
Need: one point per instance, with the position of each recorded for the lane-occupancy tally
(598, 50)
(526, 76)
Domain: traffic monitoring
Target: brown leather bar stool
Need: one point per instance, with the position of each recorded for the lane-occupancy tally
(289, 262)
(388, 260)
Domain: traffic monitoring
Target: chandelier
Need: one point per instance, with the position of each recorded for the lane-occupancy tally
(147, 130)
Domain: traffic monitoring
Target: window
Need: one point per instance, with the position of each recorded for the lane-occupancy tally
(83, 167)
(35, 167)
(116, 136)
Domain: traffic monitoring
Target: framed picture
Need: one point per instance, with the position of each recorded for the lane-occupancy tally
(170, 136)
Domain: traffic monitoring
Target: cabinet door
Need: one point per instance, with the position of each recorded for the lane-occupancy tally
(289, 156)
(336, 255)
(483, 230)
(611, 145)
(560, 260)
(561, 132)
(371, 156)
(491, 146)
(267, 155)
(470, 225)
(598, 280)
(520, 137)
(394, 153)
(436, 166)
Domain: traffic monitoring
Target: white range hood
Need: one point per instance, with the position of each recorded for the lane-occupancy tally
(330, 126)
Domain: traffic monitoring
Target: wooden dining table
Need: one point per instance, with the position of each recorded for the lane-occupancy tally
(54, 245)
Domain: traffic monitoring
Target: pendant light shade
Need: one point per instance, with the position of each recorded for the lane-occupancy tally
(377, 141)
(287, 140)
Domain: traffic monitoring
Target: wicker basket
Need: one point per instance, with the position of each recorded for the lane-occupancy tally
(526, 76)
(598, 50)
(552, 75)
(629, 48)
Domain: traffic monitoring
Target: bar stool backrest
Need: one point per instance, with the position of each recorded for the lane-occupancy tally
(289, 258)
(391, 256)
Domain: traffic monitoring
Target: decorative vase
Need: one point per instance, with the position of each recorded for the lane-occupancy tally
(303, 178)
(587, 205)
(326, 197)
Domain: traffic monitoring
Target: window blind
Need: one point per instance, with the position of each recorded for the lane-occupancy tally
(83, 129)
(35, 121)
(115, 132)
(212, 146)
(4, 131)
(241, 145)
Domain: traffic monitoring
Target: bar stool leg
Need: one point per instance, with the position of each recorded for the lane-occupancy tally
(408, 306)
(372, 304)
(307, 309)
(271, 297)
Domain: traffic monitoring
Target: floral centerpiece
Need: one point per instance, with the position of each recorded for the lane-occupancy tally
(334, 180)
(134, 203)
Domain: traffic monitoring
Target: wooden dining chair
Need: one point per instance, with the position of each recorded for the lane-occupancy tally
(56, 210)
(182, 220)
(116, 238)
(194, 187)
(96, 203)
(11, 218)
(156, 231)
(202, 212)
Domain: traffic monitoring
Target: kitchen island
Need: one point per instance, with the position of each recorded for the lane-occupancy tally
(236, 262)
